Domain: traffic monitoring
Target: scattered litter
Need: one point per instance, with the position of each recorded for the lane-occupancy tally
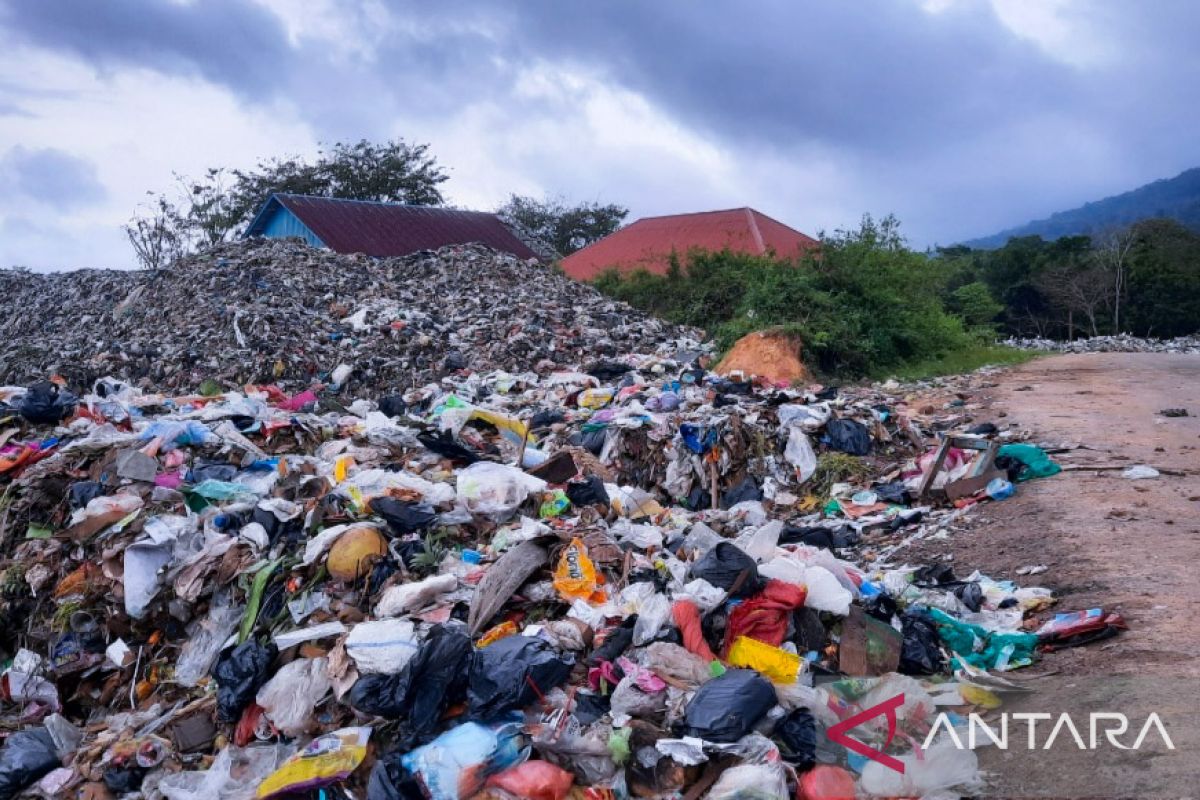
(536, 552)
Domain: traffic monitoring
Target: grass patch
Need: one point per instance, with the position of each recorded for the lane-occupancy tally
(959, 361)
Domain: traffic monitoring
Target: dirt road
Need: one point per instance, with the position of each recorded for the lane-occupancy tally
(1130, 546)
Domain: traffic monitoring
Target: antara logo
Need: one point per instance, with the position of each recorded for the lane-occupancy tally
(837, 733)
(1112, 725)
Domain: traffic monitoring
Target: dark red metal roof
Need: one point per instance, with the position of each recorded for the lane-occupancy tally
(648, 243)
(393, 229)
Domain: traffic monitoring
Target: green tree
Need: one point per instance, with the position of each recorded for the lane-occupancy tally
(563, 226)
(1164, 280)
(974, 305)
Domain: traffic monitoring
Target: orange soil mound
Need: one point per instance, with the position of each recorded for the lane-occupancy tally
(768, 354)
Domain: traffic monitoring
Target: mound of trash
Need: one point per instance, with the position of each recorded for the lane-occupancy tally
(1123, 343)
(276, 311)
(635, 579)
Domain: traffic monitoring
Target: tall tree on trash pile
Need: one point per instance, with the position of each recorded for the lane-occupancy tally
(218, 206)
(565, 227)
(155, 235)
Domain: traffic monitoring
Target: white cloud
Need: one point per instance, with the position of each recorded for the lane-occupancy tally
(136, 127)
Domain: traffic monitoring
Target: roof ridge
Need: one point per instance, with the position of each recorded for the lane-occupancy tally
(694, 213)
(754, 231)
(387, 203)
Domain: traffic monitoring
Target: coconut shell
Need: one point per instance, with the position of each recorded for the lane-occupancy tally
(355, 551)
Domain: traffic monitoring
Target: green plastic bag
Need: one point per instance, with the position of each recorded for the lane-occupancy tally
(982, 648)
(1037, 463)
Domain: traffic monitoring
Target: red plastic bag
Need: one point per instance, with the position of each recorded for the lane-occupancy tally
(765, 616)
(534, 780)
(826, 782)
(687, 618)
(1079, 627)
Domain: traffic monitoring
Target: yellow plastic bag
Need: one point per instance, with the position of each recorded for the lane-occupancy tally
(595, 398)
(327, 759)
(778, 666)
(576, 577)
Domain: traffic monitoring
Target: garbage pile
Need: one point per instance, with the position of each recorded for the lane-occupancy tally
(1124, 343)
(281, 312)
(633, 578)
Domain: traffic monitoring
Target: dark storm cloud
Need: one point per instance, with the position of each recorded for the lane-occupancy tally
(950, 119)
(879, 75)
(50, 176)
(234, 43)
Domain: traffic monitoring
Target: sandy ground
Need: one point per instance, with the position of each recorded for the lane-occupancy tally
(1129, 546)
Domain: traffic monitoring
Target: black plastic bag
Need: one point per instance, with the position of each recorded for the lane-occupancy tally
(25, 758)
(1011, 466)
(971, 595)
(512, 673)
(403, 516)
(984, 429)
(445, 446)
(797, 736)
(212, 471)
(895, 492)
(545, 418)
(240, 673)
(607, 371)
(45, 404)
(698, 499)
(746, 490)
(616, 642)
(123, 780)
(848, 436)
(393, 405)
(810, 634)
(84, 492)
(817, 536)
(454, 361)
(920, 653)
(881, 606)
(726, 708)
(592, 441)
(433, 680)
(587, 492)
(391, 781)
(723, 565)
(591, 707)
(934, 575)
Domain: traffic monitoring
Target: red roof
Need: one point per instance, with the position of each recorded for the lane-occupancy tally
(393, 229)
(649, 242)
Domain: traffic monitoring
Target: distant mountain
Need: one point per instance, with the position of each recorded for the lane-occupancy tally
(1177, 198)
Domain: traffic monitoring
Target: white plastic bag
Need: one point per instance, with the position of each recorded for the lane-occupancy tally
(799, 453)
(383, 646)
(200, 651)
(250, 765)
(495, 490)
(410, 596)
(825, 593)
(751, 782)
(943, 766)
(292, 693)
(759, 543)
(142, 563)
(653, 615)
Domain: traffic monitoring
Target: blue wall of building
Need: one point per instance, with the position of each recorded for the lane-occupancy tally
(283, 223)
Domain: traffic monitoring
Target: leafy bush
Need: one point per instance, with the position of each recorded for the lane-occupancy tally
(864, 301)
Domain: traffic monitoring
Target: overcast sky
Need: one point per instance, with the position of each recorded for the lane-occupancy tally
(962, 117)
